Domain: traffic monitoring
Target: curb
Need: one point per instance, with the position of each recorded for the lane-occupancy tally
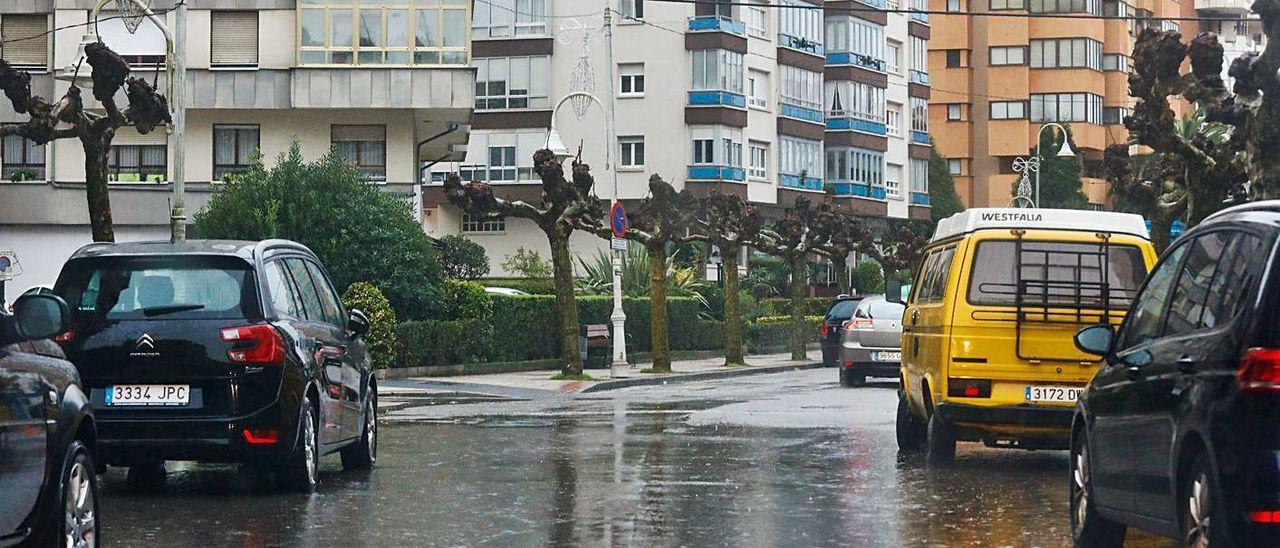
(691, 377)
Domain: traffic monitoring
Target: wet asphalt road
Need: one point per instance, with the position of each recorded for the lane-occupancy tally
(772, 460)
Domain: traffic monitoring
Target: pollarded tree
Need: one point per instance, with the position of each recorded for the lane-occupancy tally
(663, 219)
(731, 224)
(899, 247)
(68, 119)
(564, 206)
(841, 233)
(793, 239)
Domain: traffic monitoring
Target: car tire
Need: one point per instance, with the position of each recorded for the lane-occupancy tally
(940, 441)
(1202, 517)
(147, 477)
(300, 473)
(362, 454)
(851, 379)
(74, 522)
(1088, 528)
(910, 429)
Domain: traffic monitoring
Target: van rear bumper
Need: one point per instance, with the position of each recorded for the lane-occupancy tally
(1036, 416)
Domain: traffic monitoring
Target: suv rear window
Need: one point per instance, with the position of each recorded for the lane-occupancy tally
(168, 288)
(1054, 273)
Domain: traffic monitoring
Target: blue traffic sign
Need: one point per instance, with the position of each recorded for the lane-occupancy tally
(618, 220)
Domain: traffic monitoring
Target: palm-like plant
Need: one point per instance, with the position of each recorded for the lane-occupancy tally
(597, 276)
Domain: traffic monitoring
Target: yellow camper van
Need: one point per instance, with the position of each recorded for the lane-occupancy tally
(988, 353)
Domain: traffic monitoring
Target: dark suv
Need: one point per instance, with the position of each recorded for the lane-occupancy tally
(219, 351)
(1177, 432)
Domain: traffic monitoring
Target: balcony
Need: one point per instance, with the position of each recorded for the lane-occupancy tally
(920, 198)
(794, 181)
(855, 59)
(882, 4)
(799, 44)
(857, 124)
(709, 98)
(918, 9)
(802, 113)
(919, 137)
(919, 77)
(716, 23)
(920, 17)
(716, 173)
(860, 190)
(1228, 6)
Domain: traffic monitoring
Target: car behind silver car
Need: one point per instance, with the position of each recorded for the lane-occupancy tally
(871, 342)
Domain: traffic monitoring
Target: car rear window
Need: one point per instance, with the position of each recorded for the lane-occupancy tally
(1054, 273)
(879, 309)
(842, 309)
(168, 288)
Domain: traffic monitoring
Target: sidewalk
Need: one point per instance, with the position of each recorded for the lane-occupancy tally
(531, 382)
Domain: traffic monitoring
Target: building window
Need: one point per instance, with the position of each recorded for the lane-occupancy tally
(856, 36)
(800, 23)
(865, 167)
(509, 18)
(1114, 8)
(954, 5)
(732, 152)
(632, 154)
(955, 58)
(138, 163)
(855, 100)
(893, 119)
(717, 69)
(144, 49)
(511, 82)
(26, 46)
(893, 180)
(362, 147)
(801, 87)
(23, 159)
(758, 21)
(631, 80)
(1008, 4)
(757, 89)
(491, 225)
(233, 145)
(1114, 115)
(893, 56)
(955, 166)
(919, 114)
(704, 151)
(502, 163)
(1066, 6)
(1007, 55)
(1008, 110)
(955, 112)
(758, 161)
(796, 156)
(1116, 62)
(1066, 53)
(1066, 107)
(413, 32)
(233, 39)
(919, 176)
(919, 60)
(633, 9)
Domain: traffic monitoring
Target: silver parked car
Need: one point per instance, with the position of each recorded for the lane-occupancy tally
(871, 343)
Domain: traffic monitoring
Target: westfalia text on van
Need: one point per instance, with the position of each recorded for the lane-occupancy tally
(987, 348)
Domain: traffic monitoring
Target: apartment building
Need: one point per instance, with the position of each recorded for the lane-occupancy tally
(1238, 29)
(997, 80)
(765, 102)
(387, 83)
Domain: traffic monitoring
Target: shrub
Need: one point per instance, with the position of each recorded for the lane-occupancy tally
(381, 339)
(816, 306)
(532, 286)
(466, 301)
(775, 331)
(527, 263)
(442, 342)
(462, 258)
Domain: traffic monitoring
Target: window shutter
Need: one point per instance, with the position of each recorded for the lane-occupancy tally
(234, 40)
(25, 53)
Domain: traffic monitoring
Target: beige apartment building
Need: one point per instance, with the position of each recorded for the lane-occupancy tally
(997, 80)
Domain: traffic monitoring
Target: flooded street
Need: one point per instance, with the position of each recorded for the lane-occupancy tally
(772, 460)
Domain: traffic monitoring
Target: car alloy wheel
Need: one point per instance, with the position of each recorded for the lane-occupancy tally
(1080, 487)
(309, 445)
(79, 518)
(1198, 511)
(371, 428)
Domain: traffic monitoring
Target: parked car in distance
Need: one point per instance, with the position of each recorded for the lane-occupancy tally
(48, 480)
(871, 342)
(510, 292)
(219, 351)
(1176, 434)
(833, 324)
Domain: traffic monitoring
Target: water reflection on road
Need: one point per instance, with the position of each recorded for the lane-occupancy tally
(788, 461)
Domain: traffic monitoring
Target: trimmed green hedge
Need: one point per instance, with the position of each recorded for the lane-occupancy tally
(816, 306)
(773, 335)
(442, 342)
(533, 286)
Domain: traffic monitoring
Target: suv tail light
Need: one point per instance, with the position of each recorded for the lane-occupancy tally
(823, 329)
(1259, 370)
(66, 337)
(969, 388)
(255, 344)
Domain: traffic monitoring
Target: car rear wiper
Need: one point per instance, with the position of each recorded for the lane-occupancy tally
(170, 309)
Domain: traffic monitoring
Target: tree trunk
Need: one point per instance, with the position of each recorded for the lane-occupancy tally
(96, 148)
(799, 330)
(562, 268)
(659, 341)
(841, 266)
(732, 308)
(1160, 232)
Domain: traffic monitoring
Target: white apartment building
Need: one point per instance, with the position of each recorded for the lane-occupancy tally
(388, 83)
(1238, 29)
(769, 103)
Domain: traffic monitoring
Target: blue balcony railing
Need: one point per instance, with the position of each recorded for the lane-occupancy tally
(794, 181)
(920, 198)
(855, 59)
(799, 44)
(802, 113)
(714, 98)
(715, 23)
(919, 137)
(856, 124)
(717, 173)
(860, 190)
(919, 77)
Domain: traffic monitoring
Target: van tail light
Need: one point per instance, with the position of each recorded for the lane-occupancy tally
(1259, 370)
(66, 337)
(969, 388)
(1264, 516)
(858, 324)
(254, 344)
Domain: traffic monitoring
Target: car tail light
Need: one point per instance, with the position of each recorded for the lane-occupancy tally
(1259, 370)
(969, 388)
(256, 344)
(66, 337)
(1265, 516)
(858, 324)
(823, 329)
(261, 437)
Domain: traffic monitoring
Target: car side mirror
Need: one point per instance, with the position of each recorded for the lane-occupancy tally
(40, 316)
(1095, 339)
(358, 323)
(893, 290)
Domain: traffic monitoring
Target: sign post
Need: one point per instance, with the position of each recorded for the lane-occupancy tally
(618, 224)
(9, 269)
